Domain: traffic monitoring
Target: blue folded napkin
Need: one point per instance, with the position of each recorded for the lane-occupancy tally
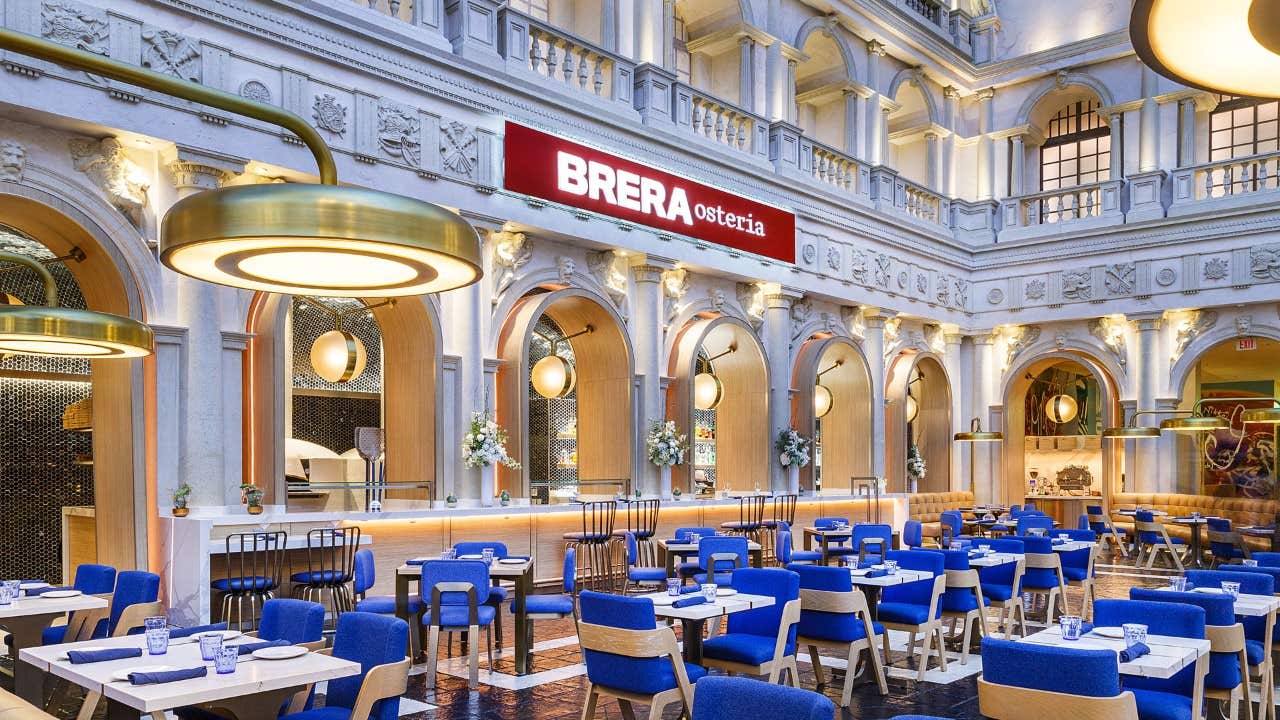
(175, 633)
(1134, 652)
(877, 573)
(689, 601)
(246, 648)
(690, 589)
(154, 678)
(41, 591)
(91, 656)
(1086, 627)
(1057, 541)
(417, 561)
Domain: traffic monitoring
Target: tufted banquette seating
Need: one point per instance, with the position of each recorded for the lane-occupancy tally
(1240, 511)
(928, 509)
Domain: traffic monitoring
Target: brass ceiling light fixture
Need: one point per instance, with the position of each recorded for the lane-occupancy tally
(1232, 46)
(554, 376)
(1131, 430)
(823, 400)
(976, 434)
(337, 355)
(296, 239)
(53, 331)
(708, 391)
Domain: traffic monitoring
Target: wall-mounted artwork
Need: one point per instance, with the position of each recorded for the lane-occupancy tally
(1240, 460)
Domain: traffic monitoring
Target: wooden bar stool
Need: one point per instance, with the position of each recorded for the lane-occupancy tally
(595, 544)
(254, 567)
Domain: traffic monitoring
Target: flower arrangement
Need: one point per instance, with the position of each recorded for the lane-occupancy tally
(793, 448)
(916, 467)
(665, 444)
(252, 497)
(486, 443)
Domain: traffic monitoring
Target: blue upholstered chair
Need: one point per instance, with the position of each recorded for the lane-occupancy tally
(1228, 677)
(497, 594)
(377, 643)
(1026, 681)
(1042, 574)
(1161, 699)
(133, 600)
(786, 552)
(721, 555)
(952, 522)
(1000, 584)
(1153, 539)
(760, 641)
(553, 607)
(1029, 506)
(963, 601)
(1225, 545)
(1258, 631)
(834, 615)
(836, 547)
(629, 657)
(687, 568)
(1078, 566)
(730, 698)
(1100, 523)
(455, 596)
(94, 579)
(1267, 559)
(640, 575)
(1034, 522)
(916, 607)
(912, 534)
(870, 541)
(365, 578)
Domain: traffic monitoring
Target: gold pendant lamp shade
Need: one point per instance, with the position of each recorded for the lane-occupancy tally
(977, 434)
(1228, 46)
(553, 377)
(912, 408)
(822, 400)
(319, 239)
(1194, 423)
(1270, 416)
(1061, 409)
(338, 356)
(708, 391)
(1130, 432)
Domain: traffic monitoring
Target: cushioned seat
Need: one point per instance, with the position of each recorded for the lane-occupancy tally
(321, 713)
(547, 604)
(836, 627)
(1255, 650)
(647, 574)
(687, 569)
(720, 578)
(53, 634)
(241, 584)
(905, 613)
(386, 604)
(1156, 705)
(497, 595)
(319, 576)
(1075, 574)
(997, 592)
(456, 615)
(1240, 511)
(740, 648)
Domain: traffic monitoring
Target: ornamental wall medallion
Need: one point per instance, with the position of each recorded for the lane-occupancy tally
(1166, 277)
(1216, 268)
(255, 90)
(882, 270)
(329, 114)
(995, 296)
(1264, 262)
(400, 132)
(809, 253)
(458, 149)
(1120, 278)
(833, 258)
(858, 266)
(68, 23)
(1035, 289)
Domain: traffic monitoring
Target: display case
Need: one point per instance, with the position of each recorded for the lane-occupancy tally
(703, 445)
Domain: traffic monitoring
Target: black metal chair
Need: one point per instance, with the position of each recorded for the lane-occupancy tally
(595, 544)
(784, 511)
(331, 559)
(750, 517)
(254, 567)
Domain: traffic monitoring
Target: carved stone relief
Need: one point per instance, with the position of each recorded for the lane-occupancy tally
(1166, 277)
(751, 300)
(1077, 284)
(170, 53)
(1022, 338)
(809, 253)
(1216, 269)
(400, 132)
(604, 268)
(1198, 323)
(1035, 289)
(882, 270)
(833, 259)
(565, 266)
(1120, 278)
(1264, 262)
(105, 164)
(858, 267)
(255, 90)
(458, 150)
(13, 160)
(511, 251)
(995, 296)
(1110, 332)
(675, 283)
(69, 23)
(329, 114)
(1244, 323)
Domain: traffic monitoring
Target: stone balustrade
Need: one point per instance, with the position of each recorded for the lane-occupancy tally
(1224, 183)
(1081, 206)
(533, 48)
(720, 121)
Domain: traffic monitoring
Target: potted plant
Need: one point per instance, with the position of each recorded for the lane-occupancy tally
(794, 453)
(451, 501)
(638, 493)
(666, 448)
(253, 497)
(483, 446)
(916, 467)
(505, 498)
(676, 493)
(181, 495)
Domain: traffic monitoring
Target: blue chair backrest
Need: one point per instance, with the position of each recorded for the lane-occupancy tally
(1220, 549)
(1014, 508)
(1267, 559)
(474, 572)
(952, 519)
(1161, 618)
(872, 531)
(1002, 545)
(633, 548)
(1029, 506)
(1090, 673)
(1147, 536)
(1224, 668)
(782, 585)
(1082, 523)
(828, 523)
(1076, 558)
(819, 624)
(684, 532)
(628, 613)
(913, 533)
(1034, 522)
(782, 546)
(570, 579)
(916, 593)
(95, 579)
(478, 548)
(1098, 527)
(1000, 574)
(370, 640)
(1272, 571)
(132, 587)
(719, 544)
(1250, 583)
(731, 698)
(364, 575)
(297, 621)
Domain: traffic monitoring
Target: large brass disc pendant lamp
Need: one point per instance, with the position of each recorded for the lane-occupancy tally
(292, 238)
(1061, 409)
(708, 390)
(1229, 46)
(554, 376)
(823, 400)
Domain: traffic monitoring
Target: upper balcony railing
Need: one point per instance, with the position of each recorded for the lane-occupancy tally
(719, 121)
(541, 50)
(1079, 206)
(930, 10)
(833, 168)
(890, 191)
(1245, 178)
(399, 9)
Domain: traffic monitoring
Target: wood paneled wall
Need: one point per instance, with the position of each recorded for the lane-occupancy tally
(846, 430)
(933, 424)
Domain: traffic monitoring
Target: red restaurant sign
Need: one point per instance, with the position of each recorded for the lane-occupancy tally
(556, 169)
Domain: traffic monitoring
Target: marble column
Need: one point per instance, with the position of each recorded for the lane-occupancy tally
(1149, 362)
(777, 341)
(986, 165)
(873, 129)
(649, 32)
(465, 334)
(1117, 146)
(646, 333)
(746, 71)
(1186, 132)
(1148, 125)
(987, 487)
(792, 110)
(952, 362)
(951, 103)
(873, 346)
(932, 165)
(1017, 166)
(852, 112)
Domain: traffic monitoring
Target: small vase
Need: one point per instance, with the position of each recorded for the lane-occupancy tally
(664, 480)
(504, 502)
(181, 512)
(793, 478)
(255, 509)
(451, 504)
(486, 484)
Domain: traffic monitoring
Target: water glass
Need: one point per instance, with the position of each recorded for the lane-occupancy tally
(1232, 589)
(891, 567)
(6, 595)
(955, 545)
(709, 592)
(210, 645)
(487, 555)
(1134, 633)
(1250, 563)
(673, 586)
(15, 588)
(157, 641)
(1070, 626)
(694, 538)
(224, 662)
(1064, 536)
(158, 622)
(449, 554)
(1178, 584)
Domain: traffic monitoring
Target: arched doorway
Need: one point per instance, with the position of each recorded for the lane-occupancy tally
(918, 414)
(582, 440)
(842, 436)
(400, 395)
(1056, 407)
(80, 436)
(730, 444)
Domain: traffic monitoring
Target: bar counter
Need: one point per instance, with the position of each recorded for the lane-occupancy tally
(192, 546)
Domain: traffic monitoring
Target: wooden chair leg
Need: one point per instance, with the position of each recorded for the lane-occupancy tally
(473, 657)
(589, 708)
(925, 644)
(816, 660)
(628, 712)
(942, 651)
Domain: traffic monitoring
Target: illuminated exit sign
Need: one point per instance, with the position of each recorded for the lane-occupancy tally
(1246, 343)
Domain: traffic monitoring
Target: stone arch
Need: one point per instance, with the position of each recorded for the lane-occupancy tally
(1069, 348)
(829, 27)
(1182, 367)
(1057, 84)
(912, 75)
(845, 430)
(544, 278)
(935, 430)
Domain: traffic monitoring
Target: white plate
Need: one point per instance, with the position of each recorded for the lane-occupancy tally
(1208, 591)
(512, 561)
(663, 599)
(60, 594)
(34, 585)
(124, 674)
(226, 634)
(1109, 631)
(64, 657)
(283, 652)
(725, 592)
(470, 557)
(859, 573)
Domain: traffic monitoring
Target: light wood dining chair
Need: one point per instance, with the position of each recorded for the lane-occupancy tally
(1152, 538)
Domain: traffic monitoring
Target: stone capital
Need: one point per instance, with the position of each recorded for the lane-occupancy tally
(1147, 322)
(647, 273)
(875, 318)
(235, 340)
(951, 92)
(875, 47)
(985, 94)
(195, 176)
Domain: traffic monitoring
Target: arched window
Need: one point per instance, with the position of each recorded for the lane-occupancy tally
(1240, 127)
(1077, 148)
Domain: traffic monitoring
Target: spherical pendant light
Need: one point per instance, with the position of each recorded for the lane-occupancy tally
(319, 239)
(708, 391)
(1061, 408)
(912, 408)
(822, 400)
(553, 377)
(338, 356)
(1230, 46)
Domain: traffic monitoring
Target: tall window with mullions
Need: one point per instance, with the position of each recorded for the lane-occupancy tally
(1077, 148)
(1240, 127)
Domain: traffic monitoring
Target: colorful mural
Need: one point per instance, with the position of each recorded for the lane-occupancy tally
(1240, 460)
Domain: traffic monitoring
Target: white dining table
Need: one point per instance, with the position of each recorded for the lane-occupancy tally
(25, 619)
(255, 691)
(995, 559)
(1245, 605)
(694, 617)
(872, 586)
(1168, 656)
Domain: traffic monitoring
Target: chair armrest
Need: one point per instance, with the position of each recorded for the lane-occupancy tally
(134, 615)
(790, 616)
(383, 681)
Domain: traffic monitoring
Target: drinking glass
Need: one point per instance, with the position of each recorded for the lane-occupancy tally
(673, 586)
(1064, 537)
(1070, 626)
(157, 641)
(210, 645)
(158, 622)
(891, 567)
(1134, 633)
(6, 595)
(15, 588)
(487, 555)
(225, 661)
(694, 538)
(709, 592)
(1250, 563)
(955, 545)
(1178, 584)
(449, 554)
(1231, 588)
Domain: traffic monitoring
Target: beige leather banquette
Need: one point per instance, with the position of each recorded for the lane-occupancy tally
(1239, 511)
(928, 508)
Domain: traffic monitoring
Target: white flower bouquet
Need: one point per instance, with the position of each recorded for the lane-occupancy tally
(793, 448)
(916, 467)
(486, 443)
(665, 444)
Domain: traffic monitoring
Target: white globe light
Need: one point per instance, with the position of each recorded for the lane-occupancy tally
(707, 391)
(338, 356)
(913, 409)
(822, 400)
(553, 377)
(1061, 408)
